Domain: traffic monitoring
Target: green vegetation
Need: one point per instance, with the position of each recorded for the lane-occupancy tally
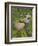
(19, 14)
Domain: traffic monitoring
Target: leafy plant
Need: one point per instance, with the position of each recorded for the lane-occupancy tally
(19, 14)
